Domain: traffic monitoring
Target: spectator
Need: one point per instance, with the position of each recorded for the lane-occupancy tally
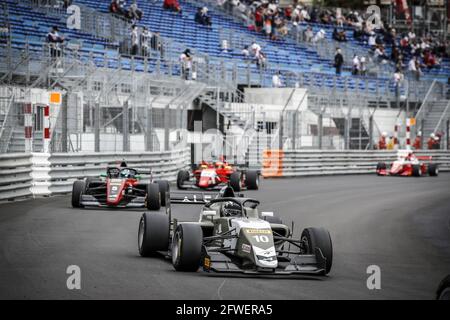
(418, 141)
(134, 13)
(134, 40)
(261, 60)
(156, 44)
(356, 65)
(338, 61)
(432, 142)
(172, 5)
(398, 79)
(146, 37)
(363, 66)
(276, 80)
(255, 49)
(320, 35)
(186, 63)
(201, 17)
(382, 141)
(339, 35)
(114, 7)
(245, 52)
(414, 68)
(55, 41)
(309, 34)
(391, 144)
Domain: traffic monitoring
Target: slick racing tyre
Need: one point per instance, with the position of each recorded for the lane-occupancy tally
(236, 181)
(433, 170)
(153, 197)
(252, 180)
(313, 238)
(187, 247)
(416, 172)
(182, 177)
(381, 166)
(164, 190)
(153, 233)
(77, 191)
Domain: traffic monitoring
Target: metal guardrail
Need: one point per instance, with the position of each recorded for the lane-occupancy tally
(316, 163)
(39, 174)
(15, 175)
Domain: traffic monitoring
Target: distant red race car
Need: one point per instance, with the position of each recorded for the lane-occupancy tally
(407, 165)
(119, 187)
(213, 176)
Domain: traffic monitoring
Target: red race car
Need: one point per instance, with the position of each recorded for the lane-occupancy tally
(119, 187)
(407, 165)
(214, 176)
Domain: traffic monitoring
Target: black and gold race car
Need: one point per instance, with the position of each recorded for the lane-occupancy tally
(232, 236)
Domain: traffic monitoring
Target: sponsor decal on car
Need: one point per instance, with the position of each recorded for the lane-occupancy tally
(246, 248)
(259, 231)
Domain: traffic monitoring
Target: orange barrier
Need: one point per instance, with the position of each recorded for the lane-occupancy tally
(272, 165)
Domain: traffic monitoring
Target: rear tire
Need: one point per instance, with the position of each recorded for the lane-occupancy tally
(416, 172)
(182, 177)
(164, 190)
(252, 180)
(319, 238)
(236, 181)
(153, 197)
(433, 170)
(187, 247)
(77, 191)
(153, 233)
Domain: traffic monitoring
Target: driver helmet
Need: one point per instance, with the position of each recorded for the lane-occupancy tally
(125, 173)
(231, 209)
(384, 134)
(432, 135)
(219, 164)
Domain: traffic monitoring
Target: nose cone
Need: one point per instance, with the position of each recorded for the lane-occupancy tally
(204, 181)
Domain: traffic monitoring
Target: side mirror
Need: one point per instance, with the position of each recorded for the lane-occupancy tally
(209, 213)
(267, 214)
(103, 175)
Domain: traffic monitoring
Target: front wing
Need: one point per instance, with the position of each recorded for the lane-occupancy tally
(91, 201)
(308, 265)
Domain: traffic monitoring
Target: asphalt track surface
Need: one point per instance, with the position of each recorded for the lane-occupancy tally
(399, 224)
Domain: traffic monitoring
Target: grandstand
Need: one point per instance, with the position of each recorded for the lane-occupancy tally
(96, 62)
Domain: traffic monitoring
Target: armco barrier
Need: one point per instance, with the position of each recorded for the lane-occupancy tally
(309, 163)
(15, 175)
(37, 174)
(41, 174)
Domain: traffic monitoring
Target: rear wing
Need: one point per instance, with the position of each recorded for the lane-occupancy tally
(424, 158)
(191, 197)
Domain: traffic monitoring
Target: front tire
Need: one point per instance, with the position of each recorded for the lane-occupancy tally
(187, 247)
(236, 181)
(164, 190)
(252, 180)
(433, 170)
(153, 197)
(381, 166)
(320, 238)
(182, 177)
(77, 191)
(153, 233)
